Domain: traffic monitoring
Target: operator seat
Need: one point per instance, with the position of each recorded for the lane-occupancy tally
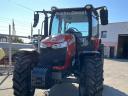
(78, 36)
(76, 33)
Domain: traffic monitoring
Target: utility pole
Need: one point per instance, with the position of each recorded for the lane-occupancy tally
(13, 28)
(10, 46)
(38, 40)
(42, 28)
(31, 32)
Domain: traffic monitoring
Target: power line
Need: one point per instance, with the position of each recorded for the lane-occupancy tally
(3, 26)
(3, 29)
(1, 21)
(24, 7)
(20, 5)
(4, 18)
(8, 19)
(26, 29)
(19, 23)
(23, 24)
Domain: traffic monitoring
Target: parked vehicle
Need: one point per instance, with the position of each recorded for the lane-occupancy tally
(72, 47)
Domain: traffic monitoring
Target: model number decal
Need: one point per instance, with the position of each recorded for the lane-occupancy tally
(70, 13)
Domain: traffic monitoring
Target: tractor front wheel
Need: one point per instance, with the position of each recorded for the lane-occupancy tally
(91, 77)
(25, 61)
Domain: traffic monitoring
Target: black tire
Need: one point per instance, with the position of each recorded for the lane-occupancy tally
(91, 78)
(101, 50)
(25, 61)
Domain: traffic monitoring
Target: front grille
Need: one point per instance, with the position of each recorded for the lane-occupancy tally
(41, 78)
(52, 57)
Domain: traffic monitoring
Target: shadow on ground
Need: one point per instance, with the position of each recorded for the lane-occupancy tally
(64, 90)
(110, 91)
(72, 90)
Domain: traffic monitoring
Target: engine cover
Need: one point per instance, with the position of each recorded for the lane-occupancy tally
(59, 57)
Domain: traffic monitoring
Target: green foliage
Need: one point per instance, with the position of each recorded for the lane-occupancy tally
(17, 40)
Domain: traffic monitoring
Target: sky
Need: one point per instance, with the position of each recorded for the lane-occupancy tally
(22, 11)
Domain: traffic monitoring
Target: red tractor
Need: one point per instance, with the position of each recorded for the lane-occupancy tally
(71, 47)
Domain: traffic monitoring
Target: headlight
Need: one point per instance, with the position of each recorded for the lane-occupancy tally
(42, 45)
(60, 45)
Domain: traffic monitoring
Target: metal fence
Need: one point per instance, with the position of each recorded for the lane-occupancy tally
(4, 62)
(10, 49)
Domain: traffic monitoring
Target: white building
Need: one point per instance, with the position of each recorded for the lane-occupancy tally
(115, 38)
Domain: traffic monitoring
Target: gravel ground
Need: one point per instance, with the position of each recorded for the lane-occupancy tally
(115, 83)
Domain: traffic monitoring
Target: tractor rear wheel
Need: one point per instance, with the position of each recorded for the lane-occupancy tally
(25, 61)
(91, 78)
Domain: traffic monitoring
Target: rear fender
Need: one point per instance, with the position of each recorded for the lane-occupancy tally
(26, 52)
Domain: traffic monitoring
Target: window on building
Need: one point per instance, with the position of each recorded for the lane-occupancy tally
(103, 34)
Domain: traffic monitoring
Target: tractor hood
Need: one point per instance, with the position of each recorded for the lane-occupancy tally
(57, 39)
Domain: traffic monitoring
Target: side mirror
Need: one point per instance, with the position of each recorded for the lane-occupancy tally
(104, 16)
(36, 19)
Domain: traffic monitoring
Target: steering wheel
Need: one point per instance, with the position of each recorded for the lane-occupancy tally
(72, 30)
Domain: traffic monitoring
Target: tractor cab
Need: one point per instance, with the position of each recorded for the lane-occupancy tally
(73, 22)
(83, 23)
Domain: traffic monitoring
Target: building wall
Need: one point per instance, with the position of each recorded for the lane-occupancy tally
(113, 30)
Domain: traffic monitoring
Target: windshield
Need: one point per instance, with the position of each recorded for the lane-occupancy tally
(64, 21)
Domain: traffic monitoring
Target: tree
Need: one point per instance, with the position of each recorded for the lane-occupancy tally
(17, 40)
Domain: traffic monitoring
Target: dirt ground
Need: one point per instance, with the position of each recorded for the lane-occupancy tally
(115, 82)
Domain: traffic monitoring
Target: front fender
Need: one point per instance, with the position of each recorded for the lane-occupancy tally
(89, 53)
(27, 49)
